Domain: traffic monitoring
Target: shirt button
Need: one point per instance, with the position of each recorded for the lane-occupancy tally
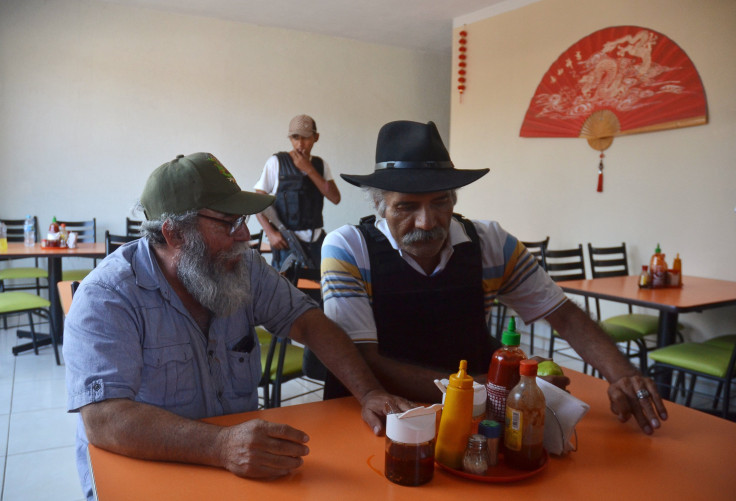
(241, 359)
(219, 394)
(96, 386)
(211, 353)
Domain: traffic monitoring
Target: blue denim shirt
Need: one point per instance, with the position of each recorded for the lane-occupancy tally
(128, 335)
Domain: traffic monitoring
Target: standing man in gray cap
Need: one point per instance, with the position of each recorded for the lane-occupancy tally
(300, 183)
(161, 334)
(414, 287)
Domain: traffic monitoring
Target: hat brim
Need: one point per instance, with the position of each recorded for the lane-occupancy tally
(242, 202)
(417, 180)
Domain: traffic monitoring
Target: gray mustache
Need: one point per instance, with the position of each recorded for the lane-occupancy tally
(417, 235)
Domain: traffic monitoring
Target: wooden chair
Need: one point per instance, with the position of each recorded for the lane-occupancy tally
(86, 233)
(24, 274)
(112, 242)
(132, 227)
(255, 241)
(612, 262)
(537, 250)
(569, 264)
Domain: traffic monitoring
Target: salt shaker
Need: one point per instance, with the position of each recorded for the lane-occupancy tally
(476, 455)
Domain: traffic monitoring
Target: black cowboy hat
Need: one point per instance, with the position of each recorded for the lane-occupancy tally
(410, 158)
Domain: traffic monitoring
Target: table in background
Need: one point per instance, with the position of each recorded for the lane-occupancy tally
(691, 457)
(54, 256)
(696, 294)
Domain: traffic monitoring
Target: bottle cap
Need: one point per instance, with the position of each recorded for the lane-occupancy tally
(528, 368)
(411, 430)
(510, 337)
(657, 250)
(489, 428)
(461, 379)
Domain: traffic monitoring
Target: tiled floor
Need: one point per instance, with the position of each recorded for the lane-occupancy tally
(37, 434)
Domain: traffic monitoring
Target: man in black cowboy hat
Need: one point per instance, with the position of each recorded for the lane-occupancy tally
(413, 288)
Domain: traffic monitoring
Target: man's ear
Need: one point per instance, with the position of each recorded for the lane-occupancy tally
(171, 235)
(316, 137)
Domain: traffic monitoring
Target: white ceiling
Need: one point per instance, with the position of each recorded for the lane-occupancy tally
(414, 24)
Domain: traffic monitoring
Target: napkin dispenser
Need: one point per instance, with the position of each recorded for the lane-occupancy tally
(563, 413)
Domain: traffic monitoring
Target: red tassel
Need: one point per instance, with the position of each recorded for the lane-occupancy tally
(600, 175)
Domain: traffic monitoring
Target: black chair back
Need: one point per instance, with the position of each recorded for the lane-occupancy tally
(86, 230)
(16, 229)
(608, 261)
(255, 241)
(538, 250)
(132, 227)
(112, 242)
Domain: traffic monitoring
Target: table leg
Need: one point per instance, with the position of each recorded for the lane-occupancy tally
(57, 314)
(666, 336)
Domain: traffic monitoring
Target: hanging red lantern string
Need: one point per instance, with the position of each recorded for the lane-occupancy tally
(462, 62)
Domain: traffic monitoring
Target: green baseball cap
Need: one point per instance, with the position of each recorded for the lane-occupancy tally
(197, 181)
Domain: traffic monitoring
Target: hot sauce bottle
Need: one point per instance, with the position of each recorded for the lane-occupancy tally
(524, 432)
(503, 373)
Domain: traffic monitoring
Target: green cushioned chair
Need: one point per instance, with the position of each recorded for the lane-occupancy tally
(713, 359)
(613, 262)
(86, 232)
(24, 274)
(569, 264)
(24, 302)
(281, 362)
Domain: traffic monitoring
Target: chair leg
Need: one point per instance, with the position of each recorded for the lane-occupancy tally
(531, 340)
(33, 333)
(54, 342)
(691, 390)
(717, 396)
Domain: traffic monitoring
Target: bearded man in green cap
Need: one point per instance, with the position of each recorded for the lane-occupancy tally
(161, 334)
(414, 287)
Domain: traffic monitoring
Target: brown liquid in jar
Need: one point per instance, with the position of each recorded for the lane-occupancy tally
(409, 464)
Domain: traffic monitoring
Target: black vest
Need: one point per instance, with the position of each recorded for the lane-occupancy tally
(298, 201)
(430, 321)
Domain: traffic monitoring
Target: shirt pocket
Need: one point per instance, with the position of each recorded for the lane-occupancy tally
(245, 369)
(169, 378)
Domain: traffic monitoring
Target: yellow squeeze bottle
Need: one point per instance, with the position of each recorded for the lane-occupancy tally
(456, 421)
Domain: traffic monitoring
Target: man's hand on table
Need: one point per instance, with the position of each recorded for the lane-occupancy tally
(637, 395)
(374, 408)
(261, 449)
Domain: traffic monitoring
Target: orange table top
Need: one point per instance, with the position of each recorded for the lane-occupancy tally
(691, 457)
(695, 294)
(18, 249)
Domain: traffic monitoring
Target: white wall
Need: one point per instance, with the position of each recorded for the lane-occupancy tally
(675, 187)
(94, 96)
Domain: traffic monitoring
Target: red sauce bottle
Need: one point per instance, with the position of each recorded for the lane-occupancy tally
(525, 409)
(503, 373)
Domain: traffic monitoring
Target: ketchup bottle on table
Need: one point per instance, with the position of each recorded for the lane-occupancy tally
(503, 373)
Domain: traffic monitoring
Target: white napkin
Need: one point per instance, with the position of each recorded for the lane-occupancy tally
(563, 413)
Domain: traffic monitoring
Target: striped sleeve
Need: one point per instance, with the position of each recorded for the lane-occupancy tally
(346, 286)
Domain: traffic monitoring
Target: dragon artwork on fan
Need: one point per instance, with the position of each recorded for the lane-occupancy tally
(616, 81)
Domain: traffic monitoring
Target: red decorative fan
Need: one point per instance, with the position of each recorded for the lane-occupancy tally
(619, 80)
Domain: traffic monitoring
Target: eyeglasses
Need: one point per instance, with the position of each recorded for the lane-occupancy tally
(234, 225)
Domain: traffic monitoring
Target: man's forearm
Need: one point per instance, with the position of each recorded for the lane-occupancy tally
(147, 432)
(336, 351)
(590, 342)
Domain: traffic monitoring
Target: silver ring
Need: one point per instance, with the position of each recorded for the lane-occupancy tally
(641, 394)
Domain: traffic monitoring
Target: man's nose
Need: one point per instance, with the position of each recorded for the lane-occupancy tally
(425, 219)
